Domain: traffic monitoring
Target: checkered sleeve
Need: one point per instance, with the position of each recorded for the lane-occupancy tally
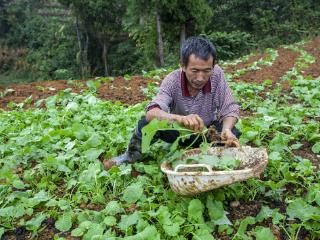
(163, 99)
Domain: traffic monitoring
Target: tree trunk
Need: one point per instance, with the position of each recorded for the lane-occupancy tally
(182, 34)
(80, 48)
(160, 41)
(85, 55)
(104, 55)
(141, 20)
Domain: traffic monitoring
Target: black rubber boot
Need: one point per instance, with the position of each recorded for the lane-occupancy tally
(132, 153)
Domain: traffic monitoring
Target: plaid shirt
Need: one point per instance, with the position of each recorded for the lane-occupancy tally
(213, 102)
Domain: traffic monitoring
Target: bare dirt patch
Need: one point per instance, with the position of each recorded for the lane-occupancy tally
(119, 89)
(284, 62)
(241, 65)
(313, 48)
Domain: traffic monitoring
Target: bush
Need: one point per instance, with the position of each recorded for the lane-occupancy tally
(62, 74)
(49, 48)
(12, 59)
(230, 45)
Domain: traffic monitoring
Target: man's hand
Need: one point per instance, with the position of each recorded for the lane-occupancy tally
(230, 138)
(192, 121)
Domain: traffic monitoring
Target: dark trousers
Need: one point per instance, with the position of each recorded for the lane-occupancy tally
(171, 135)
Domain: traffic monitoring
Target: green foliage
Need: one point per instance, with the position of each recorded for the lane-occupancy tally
(270, 23)
(140, 22)
(64, 222)
(132, 193)
(231, 45)
(215, 162)
(49, 45)
(52, 54)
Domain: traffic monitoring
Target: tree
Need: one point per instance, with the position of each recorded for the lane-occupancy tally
(173, 20)
(185, 17)
(100, 18)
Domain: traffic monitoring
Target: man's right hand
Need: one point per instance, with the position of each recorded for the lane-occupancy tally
(192, 121)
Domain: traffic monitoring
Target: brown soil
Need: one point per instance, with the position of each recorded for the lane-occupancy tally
(313, 48)
(119, 89)
(245, 209)
(21, 233)
(306, 152)
(252, 59)
(284, 62)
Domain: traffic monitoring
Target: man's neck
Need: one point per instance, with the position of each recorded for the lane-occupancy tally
(193, 92)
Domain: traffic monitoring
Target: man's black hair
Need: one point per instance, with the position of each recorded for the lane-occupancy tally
(200, 47)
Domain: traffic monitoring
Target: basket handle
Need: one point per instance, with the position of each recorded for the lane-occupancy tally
(181, 166)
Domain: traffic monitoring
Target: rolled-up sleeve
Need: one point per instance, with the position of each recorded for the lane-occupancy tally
(228, 107)
(163, 99)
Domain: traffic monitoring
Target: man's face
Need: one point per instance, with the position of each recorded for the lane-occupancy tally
(198, 71)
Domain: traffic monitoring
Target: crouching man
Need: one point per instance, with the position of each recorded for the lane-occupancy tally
(195, 96)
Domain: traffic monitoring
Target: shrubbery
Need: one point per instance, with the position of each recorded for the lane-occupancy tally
(231, 45)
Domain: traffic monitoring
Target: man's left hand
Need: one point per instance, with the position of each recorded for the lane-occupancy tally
(229, 138)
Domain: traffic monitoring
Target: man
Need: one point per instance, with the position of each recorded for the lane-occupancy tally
(195, 96)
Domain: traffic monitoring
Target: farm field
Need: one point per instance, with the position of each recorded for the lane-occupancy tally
(55, 134)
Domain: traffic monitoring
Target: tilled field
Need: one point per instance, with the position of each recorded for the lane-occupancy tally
(53, 185)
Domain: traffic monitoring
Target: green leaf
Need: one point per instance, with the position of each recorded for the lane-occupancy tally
(18, 184)
(226, 162)
(85, 224)
(202, 234)
(128, 220)
(244, 224)
(13, 212)
(263, 233)
(275, 156)
(72, 106)
(110, 221)
(92, 154)
(171, 227)
(94, 141)
(149, 233)
(215, 208)
(195, 211)
(149, 131)
(64, 222)
(172, 230)
(251, 134)
(1, 232)
(224, 220)
(41, 196)
(296, 146)
(95, 230)
(113, 208)
(277, 217)
(164, 215)
(316, 148)
(77, 232)
(127, 77)
(133, 193)
(93, 85)
(79, 131)
(34, 223)
(264, 213)
(298, 208)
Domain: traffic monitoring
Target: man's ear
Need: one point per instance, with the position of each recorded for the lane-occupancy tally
(182, 66)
